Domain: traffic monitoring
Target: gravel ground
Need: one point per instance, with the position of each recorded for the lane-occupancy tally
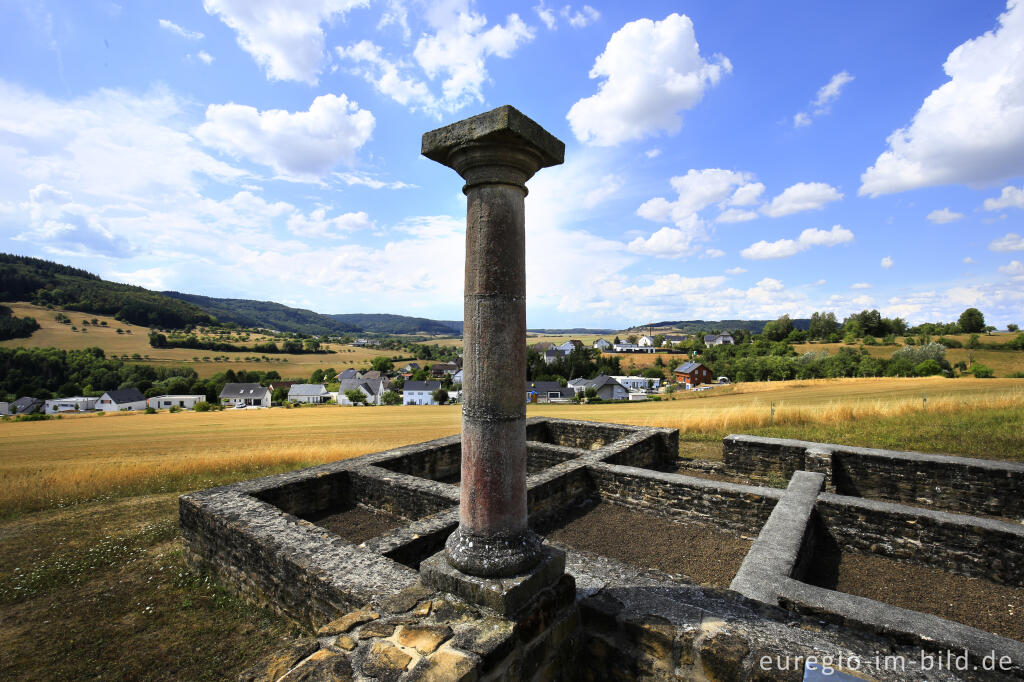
(358, 524)
(971, 601)
(704, 553)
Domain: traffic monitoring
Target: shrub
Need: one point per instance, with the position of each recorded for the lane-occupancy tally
(174, 408)
(150, 410)
(203, 406)
(981, 371)
(928, 368)
(1016, 375)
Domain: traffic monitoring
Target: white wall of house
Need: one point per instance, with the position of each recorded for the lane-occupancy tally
(166, 402)
(107, 405)
(75, 404)
(602, 344)
(418, 398)
(370, 398)
(254, 400)
(637, 383)
(647, 341)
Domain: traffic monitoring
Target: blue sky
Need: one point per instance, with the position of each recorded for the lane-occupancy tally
(723, 160)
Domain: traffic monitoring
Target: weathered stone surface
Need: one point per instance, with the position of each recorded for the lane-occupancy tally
(377, 628)
(347, 622)
(446, 665)
(424, 638)
(345, 642)
(385, 661)
(506, 596)
(406, 599)
(489, 638)
(722, 656)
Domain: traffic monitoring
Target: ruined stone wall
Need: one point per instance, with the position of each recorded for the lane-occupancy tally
(738, 507)
(441, 463)
(975, 547)
(959, 484)
(541, 456)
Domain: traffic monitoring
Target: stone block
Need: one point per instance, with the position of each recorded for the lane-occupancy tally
(506, 124)
(507, 596)
(424, 638)
(385, 661)
(722, 655)
(323, 666)
(347, 622)
(446, 665)
(491, 639)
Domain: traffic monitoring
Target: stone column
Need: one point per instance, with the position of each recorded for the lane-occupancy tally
(496, 153)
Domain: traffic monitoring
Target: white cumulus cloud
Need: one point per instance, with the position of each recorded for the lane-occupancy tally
(317, 224)
(971, 128)
(284, 38)
(668, 242)
(1009, 242)
(827, 94)
(1014, 268)
(944, 215)
(887, 262)
(652, 71)
(803, 196)
(304, 144)
(1011, 197)
(784, 248)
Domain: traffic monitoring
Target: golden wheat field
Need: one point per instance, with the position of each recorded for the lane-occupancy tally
(84, 456)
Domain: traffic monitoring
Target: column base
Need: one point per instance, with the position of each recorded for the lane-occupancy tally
(491, 556)
(507, 596)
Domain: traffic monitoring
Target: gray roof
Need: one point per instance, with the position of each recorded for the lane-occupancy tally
(546, 387)
(349, 373)
(596, 382)
(126, 395)
(708, 338)
(372, 374)
(307, 389)
(353, 384)
(687, 367)
(242, 390)
(422, 385)
(25, 405)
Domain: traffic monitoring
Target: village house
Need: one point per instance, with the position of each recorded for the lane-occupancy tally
(246, 395)
(553, 355)
(166, 402)
(410, 368)
(570, 346)
(121, 400)
(440, 369)
(548, 391)
(350, 373)
(646, 342)
(71, 404)
(420, 392)
(719, 339)
(692, 374)
(675, 338)
(638, 383)
(310, 394)
(632, 348)
(26, 405)
(457, 377)
(607, 388)
(602, 345)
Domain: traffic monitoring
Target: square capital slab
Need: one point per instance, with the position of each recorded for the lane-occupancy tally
(504, 126)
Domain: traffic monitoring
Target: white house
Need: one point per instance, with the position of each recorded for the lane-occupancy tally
(249, 395)
(373, 389)
(122, 399)
(718, 339)
(72, 404)
(636, 383)
(315, 394)
(457, 377)
(646, 342)
(166, 402)
(420, 392)
(632, 348)
(602, 345)
(607, 387)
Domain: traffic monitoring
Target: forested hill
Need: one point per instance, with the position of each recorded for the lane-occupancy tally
(267, 314)
(43, 282)
(694, 326)
(384, 323)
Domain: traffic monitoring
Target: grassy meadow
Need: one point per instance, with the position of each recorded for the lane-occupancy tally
(52, 333)
(88, 504)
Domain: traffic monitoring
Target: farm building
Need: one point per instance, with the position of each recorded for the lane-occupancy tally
(122, 399)
(607, 387)
(184, 402)
(547, 391)
(72, 404)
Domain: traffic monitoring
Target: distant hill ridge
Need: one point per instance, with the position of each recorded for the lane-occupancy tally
(693, 326)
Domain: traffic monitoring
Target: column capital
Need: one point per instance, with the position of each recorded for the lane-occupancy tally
(501, 146)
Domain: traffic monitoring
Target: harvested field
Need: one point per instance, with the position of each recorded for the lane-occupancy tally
(703, 553)
(971, 601)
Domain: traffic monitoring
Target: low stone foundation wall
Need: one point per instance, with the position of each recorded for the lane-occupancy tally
(742, 508)
(958, 484)
(971, 546)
